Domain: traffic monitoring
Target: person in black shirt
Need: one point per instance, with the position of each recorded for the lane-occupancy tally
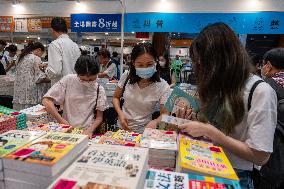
(164, 66)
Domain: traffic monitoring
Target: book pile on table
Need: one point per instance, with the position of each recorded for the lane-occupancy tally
(37, 114)
(7, 123)
(157, 179)
(162, 148)
(21, 118)
(10, 142)
(202, 158)
(105, 166)
(37, 164)
(121, 137)
(76, 130)
(49, 127)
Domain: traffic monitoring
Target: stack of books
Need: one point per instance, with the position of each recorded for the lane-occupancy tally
(105, 166)
(7, 123)
(37, 114)
(157, 179)
(21, 118)
(49, 127)
(11, 141)
(162, 148)
(37, 164)
(121, 137)
(202, 158)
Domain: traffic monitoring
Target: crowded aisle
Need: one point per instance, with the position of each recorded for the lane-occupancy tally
(125, 94)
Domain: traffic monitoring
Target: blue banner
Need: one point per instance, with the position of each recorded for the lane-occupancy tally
(242, 23)
(95, 22)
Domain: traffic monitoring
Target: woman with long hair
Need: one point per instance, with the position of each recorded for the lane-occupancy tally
(245, 128)
(30, 82)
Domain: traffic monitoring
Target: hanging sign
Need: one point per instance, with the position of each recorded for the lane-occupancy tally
(21, 25)
(34, 25)
(6, 24)
(242, 23)
(95, 22)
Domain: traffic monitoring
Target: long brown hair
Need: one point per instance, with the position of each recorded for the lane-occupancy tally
(222, 67)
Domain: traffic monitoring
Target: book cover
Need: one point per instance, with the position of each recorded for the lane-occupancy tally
(116, 167)
(48, 149)
(157, 179)
(127, 136)
(202, 158)
(121, 137)
(160, 139)
(204, 182)
(50, 127)
(181, 99)
(12, 140)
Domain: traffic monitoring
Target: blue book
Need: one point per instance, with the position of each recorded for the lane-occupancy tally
(181, 99)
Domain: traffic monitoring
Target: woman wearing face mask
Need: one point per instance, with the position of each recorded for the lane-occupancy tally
(164, 67)
(83, 99)
(30, 82)
(142, 89)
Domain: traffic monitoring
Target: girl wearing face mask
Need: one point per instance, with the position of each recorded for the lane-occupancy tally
(142, 89)
(83, 99)
(164, 67)
(30, 82)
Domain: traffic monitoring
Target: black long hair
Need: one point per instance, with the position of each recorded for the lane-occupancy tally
(29, 48)
(137, 51)
(222, 67)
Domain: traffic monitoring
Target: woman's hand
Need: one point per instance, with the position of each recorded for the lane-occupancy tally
(89, 132)
(199, 129)
(152, 124)
(63, 121)
(123, 121)
(184, 113)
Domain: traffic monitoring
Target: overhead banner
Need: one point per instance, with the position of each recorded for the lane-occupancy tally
(6, 24)
(95, 22)
(21, 25)
(242, 23)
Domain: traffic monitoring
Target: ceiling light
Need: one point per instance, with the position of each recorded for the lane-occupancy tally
(25, 41)
(94, 39)
(38, 38)
(133, 32)
(117, 38)
(88, 38)
(140, 39)
(28, 37)
(106, 33)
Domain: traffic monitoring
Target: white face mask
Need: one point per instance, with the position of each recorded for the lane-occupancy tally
(162, 63)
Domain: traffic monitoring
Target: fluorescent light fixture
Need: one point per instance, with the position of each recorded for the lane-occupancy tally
(133, 32)
(28, 37)
(106, 33)
(38, 38)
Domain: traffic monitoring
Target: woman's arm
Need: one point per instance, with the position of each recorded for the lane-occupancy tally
(240, 149)
(116, 104)
(153, 124)
(50, 108)
(99, 118)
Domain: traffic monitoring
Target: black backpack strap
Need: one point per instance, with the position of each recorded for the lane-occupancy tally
(123, 89)
(251, 92)
(95, 107)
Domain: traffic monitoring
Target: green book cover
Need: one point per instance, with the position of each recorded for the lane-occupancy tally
(180, 99)
(14, 139)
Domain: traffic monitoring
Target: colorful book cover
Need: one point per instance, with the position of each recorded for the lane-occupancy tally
(50, 127)
(205, 159)
(159, 139)
(48, 149)
(127, 136)
(204, 182)
(12, 140)
(157, 179)
(181, 99)
(116, 167)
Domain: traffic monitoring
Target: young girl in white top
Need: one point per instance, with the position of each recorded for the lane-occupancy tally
(224, 82)
(83, 99)
(142, 89)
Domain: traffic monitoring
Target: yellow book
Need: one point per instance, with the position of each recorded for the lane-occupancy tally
(202, 158)
(50, 153)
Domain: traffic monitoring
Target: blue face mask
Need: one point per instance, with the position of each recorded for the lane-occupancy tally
(146, 73)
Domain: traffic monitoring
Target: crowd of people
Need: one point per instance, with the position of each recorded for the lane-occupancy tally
(240, 111)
